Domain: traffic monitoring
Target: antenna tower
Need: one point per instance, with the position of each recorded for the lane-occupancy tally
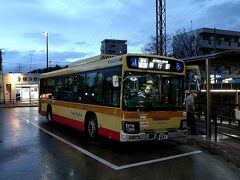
(161, 27)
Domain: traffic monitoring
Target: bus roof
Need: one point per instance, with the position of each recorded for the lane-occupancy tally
(93, 63)
(88, 63)
(90, 60)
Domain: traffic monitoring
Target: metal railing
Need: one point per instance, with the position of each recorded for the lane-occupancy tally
(19, 103)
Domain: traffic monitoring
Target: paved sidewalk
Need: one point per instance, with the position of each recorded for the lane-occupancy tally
(226, 147)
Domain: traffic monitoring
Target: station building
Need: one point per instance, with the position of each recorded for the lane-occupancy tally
(19, 87)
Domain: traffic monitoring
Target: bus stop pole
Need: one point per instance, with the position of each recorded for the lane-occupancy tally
(208, 94)
(236, 96)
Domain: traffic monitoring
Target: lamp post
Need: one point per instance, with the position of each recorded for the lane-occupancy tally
(46, 35)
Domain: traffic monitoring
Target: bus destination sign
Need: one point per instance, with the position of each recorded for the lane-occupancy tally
(149, 63)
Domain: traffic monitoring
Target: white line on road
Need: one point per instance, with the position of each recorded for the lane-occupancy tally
(77, 147)
(157, 160)
(103, 161)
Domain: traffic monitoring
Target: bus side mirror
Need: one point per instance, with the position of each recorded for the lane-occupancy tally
(115, 81)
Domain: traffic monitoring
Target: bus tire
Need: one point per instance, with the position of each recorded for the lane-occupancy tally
(49, 114)
(91, 127)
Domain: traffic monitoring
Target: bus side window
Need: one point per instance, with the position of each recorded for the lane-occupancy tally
(50, 87)
(58, 88)
(78, 88)
(67, 93)
(93, 94)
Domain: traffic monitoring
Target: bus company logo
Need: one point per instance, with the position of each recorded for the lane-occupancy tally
(144, 124)
(75, 113)
(113, 61)
(160, 118)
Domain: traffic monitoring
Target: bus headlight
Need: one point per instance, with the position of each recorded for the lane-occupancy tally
(131, 127)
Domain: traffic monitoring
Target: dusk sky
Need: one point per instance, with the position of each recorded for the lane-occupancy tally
(77, 27)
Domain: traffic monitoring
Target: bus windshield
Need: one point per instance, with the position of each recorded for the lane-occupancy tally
(151, 92)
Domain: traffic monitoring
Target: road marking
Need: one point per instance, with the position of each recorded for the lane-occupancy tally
(103, 161)
(158, 160)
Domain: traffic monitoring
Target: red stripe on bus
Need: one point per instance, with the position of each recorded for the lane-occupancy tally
(43, 113)
(109, 134)
(80, 126)
(69, 122)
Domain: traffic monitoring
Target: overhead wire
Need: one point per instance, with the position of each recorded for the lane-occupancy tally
(103, 22)
(113, 21)
(185, 13)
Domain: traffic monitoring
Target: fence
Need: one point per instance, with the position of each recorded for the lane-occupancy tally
(19, 103)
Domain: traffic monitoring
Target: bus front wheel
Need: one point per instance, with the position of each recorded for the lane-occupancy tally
(91, 127)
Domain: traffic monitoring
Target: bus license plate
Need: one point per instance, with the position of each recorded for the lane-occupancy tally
(162, 136)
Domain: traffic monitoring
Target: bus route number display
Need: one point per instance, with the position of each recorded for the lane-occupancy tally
(155, 64)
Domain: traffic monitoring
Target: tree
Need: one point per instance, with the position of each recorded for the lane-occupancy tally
(181, 45)
(44, 70)
(185, 44)
(150, 47)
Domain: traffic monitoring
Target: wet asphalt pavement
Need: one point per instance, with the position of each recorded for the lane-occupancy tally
(30, 148)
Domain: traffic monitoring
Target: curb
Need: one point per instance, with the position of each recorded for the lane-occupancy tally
(223, 151)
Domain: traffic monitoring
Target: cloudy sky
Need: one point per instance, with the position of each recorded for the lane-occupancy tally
(77, 27)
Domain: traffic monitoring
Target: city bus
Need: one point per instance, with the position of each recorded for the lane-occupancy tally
(101, 97)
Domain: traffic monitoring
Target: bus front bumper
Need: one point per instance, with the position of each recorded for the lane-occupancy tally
(161, 135)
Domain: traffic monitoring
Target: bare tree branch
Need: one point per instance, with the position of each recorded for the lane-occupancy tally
(150, 47)
(185, 44)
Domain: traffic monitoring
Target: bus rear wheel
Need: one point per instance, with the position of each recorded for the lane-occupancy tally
(91, 127)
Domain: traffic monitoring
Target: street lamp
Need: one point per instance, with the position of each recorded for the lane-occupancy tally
(46, 35)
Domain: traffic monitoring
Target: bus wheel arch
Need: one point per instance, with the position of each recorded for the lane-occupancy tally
(91, 126)
(49, 113)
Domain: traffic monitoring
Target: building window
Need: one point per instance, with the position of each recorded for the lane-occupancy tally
(29, 79)
(35, 79)
(19, 79)
(24, 79)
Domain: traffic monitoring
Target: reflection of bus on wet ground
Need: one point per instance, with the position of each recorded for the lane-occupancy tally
(101, 96)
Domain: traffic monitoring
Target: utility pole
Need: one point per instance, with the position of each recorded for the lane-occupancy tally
(161, 27)
(19, 68)
(46, 35)
(31, 61)
(0, 60)
(1, 79)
